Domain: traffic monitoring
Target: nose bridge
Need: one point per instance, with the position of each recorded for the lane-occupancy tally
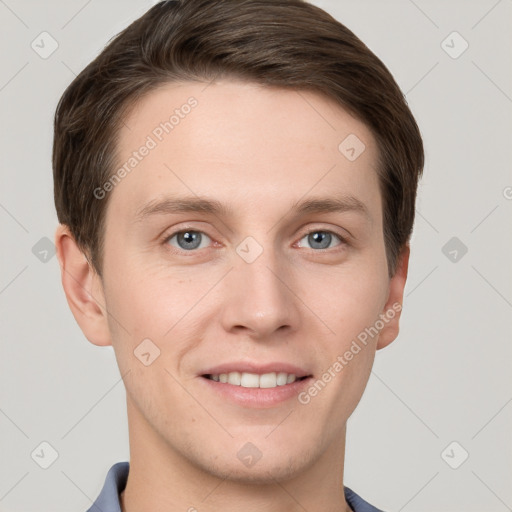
(259, 301)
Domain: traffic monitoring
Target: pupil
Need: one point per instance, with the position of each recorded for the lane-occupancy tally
(320, 239)
(189, 239)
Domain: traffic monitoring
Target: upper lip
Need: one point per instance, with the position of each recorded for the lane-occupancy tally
(259, 368)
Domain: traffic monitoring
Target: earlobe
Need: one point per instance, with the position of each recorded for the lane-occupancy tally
(393, 308)
(83, 288)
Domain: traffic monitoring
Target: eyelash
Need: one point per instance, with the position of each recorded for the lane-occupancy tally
(168, 237)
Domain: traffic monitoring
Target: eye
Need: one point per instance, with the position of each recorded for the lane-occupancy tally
(320, 239)
(189, 240)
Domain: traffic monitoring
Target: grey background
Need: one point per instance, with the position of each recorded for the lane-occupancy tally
(446, 378)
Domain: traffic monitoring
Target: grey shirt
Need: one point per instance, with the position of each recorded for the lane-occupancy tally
(108, 500)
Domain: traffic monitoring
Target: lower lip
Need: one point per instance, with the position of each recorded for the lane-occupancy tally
(257, 397)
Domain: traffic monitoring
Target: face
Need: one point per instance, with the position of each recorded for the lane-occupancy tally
(244, 245)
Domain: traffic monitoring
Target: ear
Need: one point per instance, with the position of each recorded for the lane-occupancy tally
(83, 288)
(393, 308)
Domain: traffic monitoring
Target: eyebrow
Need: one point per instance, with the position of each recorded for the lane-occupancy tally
(170, 205)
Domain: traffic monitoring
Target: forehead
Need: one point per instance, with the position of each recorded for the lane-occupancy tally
(243, 144)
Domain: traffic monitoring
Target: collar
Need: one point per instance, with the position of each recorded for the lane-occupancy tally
(115, 483)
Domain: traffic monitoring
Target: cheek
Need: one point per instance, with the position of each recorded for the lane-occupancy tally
(148, 301)
(155, 311)
(148, 324)
(348, 299)
(350, 305)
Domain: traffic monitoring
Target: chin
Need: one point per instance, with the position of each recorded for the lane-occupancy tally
(262, 473)
(248, 465)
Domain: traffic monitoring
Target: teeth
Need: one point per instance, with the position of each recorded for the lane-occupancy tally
(254, 380)
(234, 378)
(268, 380)
(281, 378)
(290, 379)
(250, 380)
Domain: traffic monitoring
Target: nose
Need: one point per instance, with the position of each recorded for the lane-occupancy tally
(260, 298)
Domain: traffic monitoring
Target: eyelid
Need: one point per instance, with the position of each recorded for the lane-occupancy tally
(344, 240)
(168, 234)
(322, 227)
(171, 236)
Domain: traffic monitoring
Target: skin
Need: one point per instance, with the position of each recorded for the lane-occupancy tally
(258, 151)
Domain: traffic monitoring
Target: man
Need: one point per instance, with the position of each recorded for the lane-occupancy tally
(235, 183)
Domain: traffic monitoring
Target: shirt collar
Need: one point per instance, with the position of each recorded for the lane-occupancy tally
(115, 482)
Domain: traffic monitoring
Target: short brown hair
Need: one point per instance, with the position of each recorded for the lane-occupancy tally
(284, 43)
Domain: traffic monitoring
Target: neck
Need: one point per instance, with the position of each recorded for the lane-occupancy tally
(162, 479)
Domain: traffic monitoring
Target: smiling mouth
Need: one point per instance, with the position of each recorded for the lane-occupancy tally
(255, 380)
